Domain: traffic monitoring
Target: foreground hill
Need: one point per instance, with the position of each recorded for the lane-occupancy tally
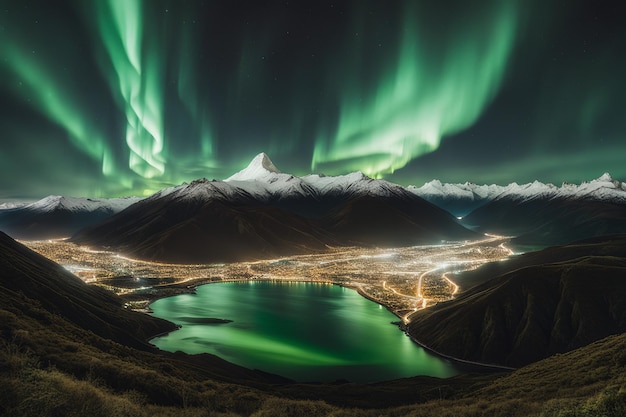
(27, 277)
(53, 363)
(533, 306)
(262, 213)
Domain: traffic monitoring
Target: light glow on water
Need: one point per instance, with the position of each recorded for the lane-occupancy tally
(304, 331)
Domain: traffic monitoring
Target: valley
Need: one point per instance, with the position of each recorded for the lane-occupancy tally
(402, 279)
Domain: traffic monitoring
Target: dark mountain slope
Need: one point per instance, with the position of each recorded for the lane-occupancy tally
(610, 245)
(531, 312)
(213, 221)
(26, 275)
(205, 230)
(549, 221)
(585, 382)
(392, 221)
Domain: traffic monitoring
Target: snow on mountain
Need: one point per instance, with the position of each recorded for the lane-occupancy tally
(604, 188)
(466, 191)
(263, 180)
(203, 189)
(58, 217)
(355, 183)
(56, 202)
(10, 205)
(472, 192)
(261, 167)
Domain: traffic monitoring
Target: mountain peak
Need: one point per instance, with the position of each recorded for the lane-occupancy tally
(264, 161)
(606, 177)
(259, 167)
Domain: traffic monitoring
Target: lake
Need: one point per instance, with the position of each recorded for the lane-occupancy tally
(303, 331)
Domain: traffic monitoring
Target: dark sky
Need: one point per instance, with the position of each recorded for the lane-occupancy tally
(119, 97)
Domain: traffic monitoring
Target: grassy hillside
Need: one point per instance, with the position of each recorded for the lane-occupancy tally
(27, 277)
(589, 381)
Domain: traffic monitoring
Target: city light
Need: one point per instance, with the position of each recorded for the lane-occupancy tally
(404, 280)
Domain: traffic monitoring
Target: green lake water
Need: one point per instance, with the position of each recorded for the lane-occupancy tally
(303, 331)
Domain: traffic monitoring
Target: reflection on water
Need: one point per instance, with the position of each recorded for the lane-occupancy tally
(304, 331)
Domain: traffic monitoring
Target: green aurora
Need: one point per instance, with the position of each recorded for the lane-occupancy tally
(120, 97)
(423, 94)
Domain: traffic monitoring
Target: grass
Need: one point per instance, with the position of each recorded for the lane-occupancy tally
(586, 382)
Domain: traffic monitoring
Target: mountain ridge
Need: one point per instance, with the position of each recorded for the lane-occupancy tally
(462, 199)
(264, 213)
(57, 216)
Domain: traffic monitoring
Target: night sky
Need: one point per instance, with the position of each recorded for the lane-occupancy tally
(120, 97)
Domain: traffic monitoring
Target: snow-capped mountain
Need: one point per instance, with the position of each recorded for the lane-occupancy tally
(262, 180)
(261, 177)
(57, 202)
(543, 214)
(458, 199)
(355, 183)
(461, 199)
(262, 183)
(604, 188)
(57, 216)
(261, 212)
(259, 169)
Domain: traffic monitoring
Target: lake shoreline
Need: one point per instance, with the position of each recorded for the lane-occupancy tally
(349, 335)
(470, 366)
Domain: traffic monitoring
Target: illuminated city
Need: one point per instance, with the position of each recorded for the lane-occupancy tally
(402, 279)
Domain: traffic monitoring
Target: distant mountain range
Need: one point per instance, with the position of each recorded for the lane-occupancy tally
(542, 215)
(262, 212)
(462, 199)
(57, 217)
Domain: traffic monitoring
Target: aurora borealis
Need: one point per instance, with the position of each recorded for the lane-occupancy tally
(119, 97)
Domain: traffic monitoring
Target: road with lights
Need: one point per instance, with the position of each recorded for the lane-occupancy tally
(402, 279)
